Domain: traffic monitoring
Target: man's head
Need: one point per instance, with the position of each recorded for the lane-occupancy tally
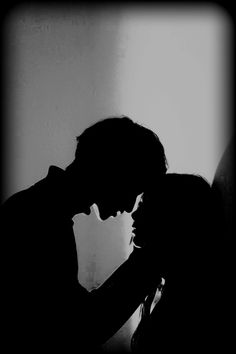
(118, 160)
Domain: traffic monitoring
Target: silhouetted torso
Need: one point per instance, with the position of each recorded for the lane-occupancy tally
(45, 305)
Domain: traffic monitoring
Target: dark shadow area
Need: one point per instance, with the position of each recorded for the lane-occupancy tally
(185, 223)
(44, 304)
(182, 222)
(31, 34)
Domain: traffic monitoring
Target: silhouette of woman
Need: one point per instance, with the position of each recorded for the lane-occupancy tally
(177, 222)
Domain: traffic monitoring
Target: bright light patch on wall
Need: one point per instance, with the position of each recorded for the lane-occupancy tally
(172, 79)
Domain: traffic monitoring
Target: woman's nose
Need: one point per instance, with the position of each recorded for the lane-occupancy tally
(134, 214)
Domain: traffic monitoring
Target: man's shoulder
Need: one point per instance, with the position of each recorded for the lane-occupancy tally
(16, 199)
(36, 192)
(24, 199)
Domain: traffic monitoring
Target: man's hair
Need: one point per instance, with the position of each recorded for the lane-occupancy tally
(118, 143)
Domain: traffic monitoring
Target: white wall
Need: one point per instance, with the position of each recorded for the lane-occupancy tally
(174, 79)
(62, 78)
(67, 68)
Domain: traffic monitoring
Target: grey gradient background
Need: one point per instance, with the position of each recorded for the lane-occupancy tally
(67, 67)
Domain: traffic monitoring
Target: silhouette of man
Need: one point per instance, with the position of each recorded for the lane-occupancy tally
(178, 221)
(45, 307)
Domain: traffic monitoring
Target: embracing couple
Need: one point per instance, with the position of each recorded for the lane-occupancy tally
(175, 227)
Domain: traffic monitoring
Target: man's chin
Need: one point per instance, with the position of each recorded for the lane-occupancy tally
(103, 218)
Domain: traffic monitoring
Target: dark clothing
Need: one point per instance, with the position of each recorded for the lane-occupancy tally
(189, 318)
(45, 307)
